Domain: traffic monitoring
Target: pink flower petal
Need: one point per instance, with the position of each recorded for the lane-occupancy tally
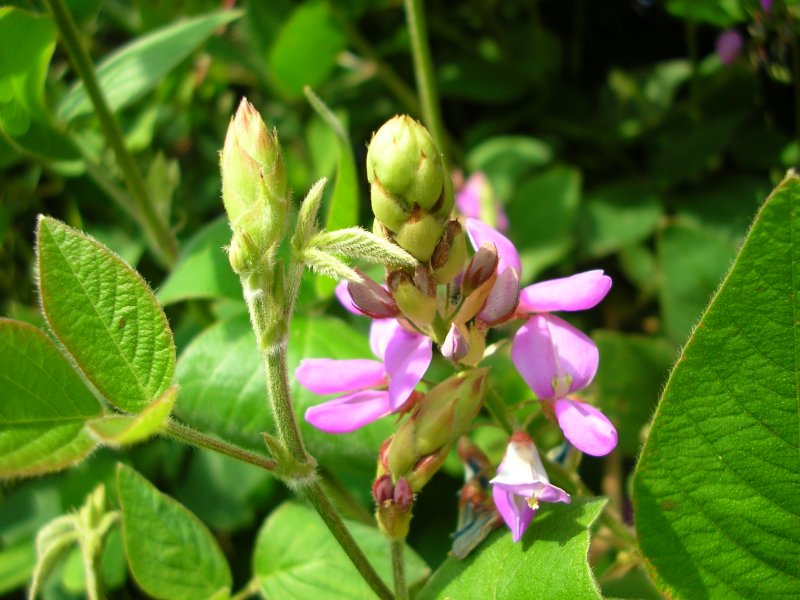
(585, 427)
(345, 299)
(553, 357)
(468, 198)
(479, 233)
(577, 292)
(350, 412)
(407, 358)
(330, 376)
(514, 510)
(381, 333)
(501, 303)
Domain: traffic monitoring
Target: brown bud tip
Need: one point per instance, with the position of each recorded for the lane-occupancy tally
(372, 299)
(403, 495)
(481, 267)
(382, 489)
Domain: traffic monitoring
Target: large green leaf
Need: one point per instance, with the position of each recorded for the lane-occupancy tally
(170, 552)
(296, 557)
(505, 159)
(137, 68)
(105, 315)
(44, 404)
(549, 562)
(715, 491)
(203, 270)
(124, 430)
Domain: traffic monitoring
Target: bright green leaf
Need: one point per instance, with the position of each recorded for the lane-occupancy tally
(549, 562)
(44, 404)
(170, 552)
(137, 68)
(506, 159)
(105, 315)
(716, 488)
(124, 430)
(306, 48)
(721, 13)
(296, 557)
(203, 270)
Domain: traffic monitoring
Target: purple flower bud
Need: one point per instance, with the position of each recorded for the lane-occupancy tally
(455, 345)
(729, 46)
(372, 299)
(481, 267)
(403, 495)
(766, 6)
(382, 489)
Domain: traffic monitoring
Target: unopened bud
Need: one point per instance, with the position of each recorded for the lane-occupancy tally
(419, 234)
(481, 267)
(427, 467)
(254, 188)
(415, 296)
(242, 253)
(403, 494)
(382, 489)
(501, 303)
(450, 253)
(455, 345)
(477, 346)
(371, 298)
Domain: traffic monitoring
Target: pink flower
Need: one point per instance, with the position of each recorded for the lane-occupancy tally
(553, 357)
(475, 196)
(729, 46)
(370, 389)
(521, 483)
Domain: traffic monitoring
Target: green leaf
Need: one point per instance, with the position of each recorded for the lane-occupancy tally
(203, 270)
(693, 261)
(16, 565)
(721, 13)
(138, 67)
(305, 50)
(44, 407)
(122, 430)
(506, 159)
(543, 211)
(618, 215)
(105, 315)
(633, 369)
(715, 490)
(223, 389)
(53, 542)
(170, 552)
(296, 557)
(27, 42)
(549, 562)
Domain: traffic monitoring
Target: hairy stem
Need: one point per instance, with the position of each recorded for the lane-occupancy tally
(161, 239)
(423, 70)
(399, 571)
(192, 437)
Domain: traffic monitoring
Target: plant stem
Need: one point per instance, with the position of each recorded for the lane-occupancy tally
(423, 70)
(249, 590)
(399, 571)
(277, 372)
(162, 241)
(196, 438)
(328, 512)
(796, 82)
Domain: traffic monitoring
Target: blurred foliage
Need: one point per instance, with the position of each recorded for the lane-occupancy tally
(611, 132)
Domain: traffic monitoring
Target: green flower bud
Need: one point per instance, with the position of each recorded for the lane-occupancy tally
(450, 254)
(254, 188)
(415, 296)
(419, 235)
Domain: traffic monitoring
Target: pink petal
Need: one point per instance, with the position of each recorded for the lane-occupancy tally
(514, 510)
(381, 333)
(330, 376)
(345, 299)
(455, 346)
(407, 358)
(501, 303)
(585, 427)
(553, 357)
(348, 413)
(577, 292)
(468, 198)
(479, 233)
(541, 490)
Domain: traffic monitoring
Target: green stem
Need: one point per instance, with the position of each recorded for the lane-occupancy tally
(163, 242)
(399, 571)
(250, 589)
(277, 372)
(423, 70)
(326, 510)
(344, 498)
(91, 552)
(195, 438)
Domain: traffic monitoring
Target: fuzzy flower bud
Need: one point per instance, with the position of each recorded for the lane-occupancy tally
(254, 188)
(411, 194)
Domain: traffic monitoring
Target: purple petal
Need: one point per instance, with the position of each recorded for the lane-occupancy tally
(514, 510)
(480, 232)
(541, 490)
(586, 427)
(345, 299)
(455, 345)
(407, 358)
(501, 303)
(577, 292)
(553, 357)
(381, 333)
(348, 413)
(330, 376)
(729, 45)
(468, 198)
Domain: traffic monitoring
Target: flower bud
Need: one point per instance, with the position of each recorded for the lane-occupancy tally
(419, 234)
(415, 296)
(371, 298)
(455, 345)
(403, 494)
(481, 267)
(450, 253)
(382, 489)
(254, 188)
(501, 303)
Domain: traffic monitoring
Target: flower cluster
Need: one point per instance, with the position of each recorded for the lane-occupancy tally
(453, 300)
